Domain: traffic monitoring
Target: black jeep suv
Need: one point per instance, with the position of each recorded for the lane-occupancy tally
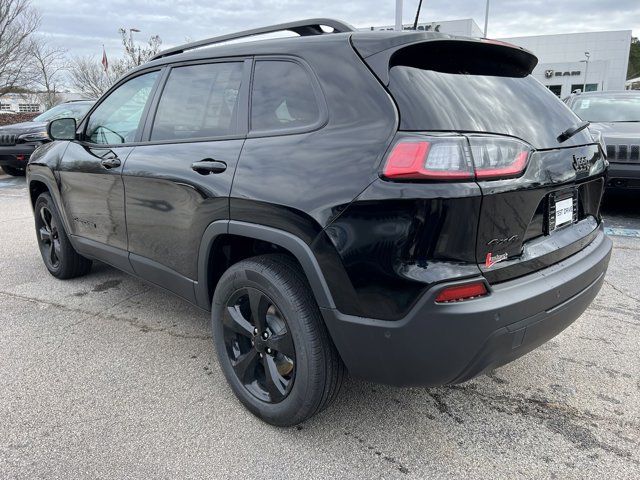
(18, 141)
(616, 116)
(412, 206)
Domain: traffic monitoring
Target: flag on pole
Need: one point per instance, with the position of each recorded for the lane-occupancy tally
(105, 62)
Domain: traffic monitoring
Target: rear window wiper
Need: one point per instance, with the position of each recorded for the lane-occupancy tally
(571, 131)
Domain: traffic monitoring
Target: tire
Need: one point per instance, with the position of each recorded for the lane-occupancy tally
(14, 172)
(58, 254)
(302, 384)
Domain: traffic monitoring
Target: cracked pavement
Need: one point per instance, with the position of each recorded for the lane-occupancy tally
(108, 377)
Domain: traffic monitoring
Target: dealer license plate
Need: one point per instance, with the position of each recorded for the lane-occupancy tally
(564, 212)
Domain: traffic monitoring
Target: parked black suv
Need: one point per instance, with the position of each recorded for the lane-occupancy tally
(412, 205)
(616, 116)
(18, 141)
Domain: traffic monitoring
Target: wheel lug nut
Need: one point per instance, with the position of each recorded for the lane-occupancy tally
(261, 355)
(269, 351)
(265, 335)
(255, 331)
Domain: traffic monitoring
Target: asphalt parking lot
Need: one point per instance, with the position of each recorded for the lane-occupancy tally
(108, 377)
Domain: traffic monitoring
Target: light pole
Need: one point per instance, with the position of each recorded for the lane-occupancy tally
(399, 14)
(131, 30)
(486, 19)
(586, 71)
(132, 46)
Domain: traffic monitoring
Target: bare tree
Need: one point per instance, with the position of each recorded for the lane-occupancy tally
(87, 77)
(18, 20)
(49, 64)
(138, 54)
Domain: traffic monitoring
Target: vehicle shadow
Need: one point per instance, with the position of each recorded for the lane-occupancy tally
(621, 209)
(622, 200)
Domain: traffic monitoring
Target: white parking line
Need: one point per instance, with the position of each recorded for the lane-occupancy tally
(622, 232)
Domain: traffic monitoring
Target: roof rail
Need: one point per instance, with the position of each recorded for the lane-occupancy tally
(312, 26)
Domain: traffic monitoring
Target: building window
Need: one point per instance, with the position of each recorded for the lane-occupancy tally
(556, 89)
(5, 106)
(28, 107)
(590, 87)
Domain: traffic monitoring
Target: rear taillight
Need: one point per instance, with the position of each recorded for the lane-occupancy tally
(458, 293)
(495, 158)
(457, 158)
(438, 158)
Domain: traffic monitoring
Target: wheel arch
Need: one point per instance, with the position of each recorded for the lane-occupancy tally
(284, 241)
(40, 179)
(36, 188)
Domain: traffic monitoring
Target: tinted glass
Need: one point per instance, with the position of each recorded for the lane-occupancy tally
(199, 101)
(517, 106)
(283, 97)
(608, 109)
(556, 89)
(66, 110)
(589, 87)
(117, 118)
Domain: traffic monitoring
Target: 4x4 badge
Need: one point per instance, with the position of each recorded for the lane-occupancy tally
(502, 241)
(490, 261)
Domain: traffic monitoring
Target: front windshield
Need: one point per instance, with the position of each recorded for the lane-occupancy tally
(66, 110)
(608, 109)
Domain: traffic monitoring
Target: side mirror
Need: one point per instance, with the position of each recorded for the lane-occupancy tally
(62, 129)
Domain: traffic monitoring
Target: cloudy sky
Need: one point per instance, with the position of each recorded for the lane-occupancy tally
(82, 26)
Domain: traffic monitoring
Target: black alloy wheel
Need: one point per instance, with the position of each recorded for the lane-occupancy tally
(58, 254)
(48, 238)
(272, 345)
(259, 345)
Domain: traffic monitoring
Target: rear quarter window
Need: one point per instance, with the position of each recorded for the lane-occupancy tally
(283, 97)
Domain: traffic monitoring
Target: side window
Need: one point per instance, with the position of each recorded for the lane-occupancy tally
(199, 101)
(282, 97)
(117, 118)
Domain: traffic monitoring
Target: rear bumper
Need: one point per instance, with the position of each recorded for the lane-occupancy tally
(16, 156)
(624, 176)
(438, 344)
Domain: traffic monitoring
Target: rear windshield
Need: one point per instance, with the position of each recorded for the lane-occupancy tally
(608, 109)
(517, 106)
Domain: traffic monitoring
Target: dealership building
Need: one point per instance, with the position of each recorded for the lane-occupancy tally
(562, 62)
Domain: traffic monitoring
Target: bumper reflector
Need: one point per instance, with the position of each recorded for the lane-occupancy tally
(459, 293)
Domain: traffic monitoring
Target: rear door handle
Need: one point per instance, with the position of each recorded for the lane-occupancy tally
(111, 162)
(208, 165)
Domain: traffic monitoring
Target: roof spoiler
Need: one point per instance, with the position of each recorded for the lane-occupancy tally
(444, 53)
(312, 26)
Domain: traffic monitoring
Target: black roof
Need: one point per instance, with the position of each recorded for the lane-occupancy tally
(310, 27)
(308, 31)
(368, 42)
(252, 47)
